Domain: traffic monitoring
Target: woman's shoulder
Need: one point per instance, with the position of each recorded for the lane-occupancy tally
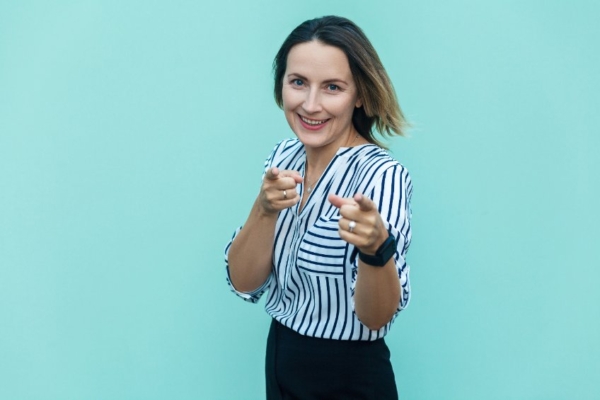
(287, 144)
(286, 147)
(286, 154)
(373, 156)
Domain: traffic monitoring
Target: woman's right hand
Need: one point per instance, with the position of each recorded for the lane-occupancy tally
(278, 190)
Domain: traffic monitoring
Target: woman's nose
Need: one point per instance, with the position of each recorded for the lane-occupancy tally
(312, 102)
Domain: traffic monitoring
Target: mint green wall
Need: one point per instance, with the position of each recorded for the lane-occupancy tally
(132, 136)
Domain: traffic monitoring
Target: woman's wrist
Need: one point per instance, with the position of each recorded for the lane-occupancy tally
(263, 213)
(372, 249)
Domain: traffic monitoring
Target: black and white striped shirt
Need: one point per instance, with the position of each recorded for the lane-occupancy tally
(311, 286)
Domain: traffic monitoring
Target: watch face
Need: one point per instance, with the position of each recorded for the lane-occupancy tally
(388, 248)
(383, 254)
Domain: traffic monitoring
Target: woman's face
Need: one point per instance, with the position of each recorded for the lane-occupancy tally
(319, 96)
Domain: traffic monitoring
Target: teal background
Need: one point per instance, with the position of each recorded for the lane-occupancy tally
(132, 137)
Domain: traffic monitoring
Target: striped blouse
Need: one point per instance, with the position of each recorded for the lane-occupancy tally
(311, 286)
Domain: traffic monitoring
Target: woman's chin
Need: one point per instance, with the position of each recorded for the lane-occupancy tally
(310, 140)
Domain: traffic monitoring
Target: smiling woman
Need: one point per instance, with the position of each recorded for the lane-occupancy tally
(329, 230)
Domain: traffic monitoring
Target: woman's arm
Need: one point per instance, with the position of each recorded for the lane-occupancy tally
(377, 293)
(377, 290)
(250, 257)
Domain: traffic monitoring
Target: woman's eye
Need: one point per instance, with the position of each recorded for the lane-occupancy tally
(333, 87)
(297, 82)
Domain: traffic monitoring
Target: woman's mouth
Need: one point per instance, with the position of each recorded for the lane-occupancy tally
(312, 124)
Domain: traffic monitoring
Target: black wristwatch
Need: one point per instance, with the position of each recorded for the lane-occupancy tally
(382, 255)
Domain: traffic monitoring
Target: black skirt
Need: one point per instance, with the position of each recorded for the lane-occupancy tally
(307, 368)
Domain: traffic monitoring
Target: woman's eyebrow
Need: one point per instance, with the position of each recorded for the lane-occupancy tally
(297, 76)
(335, 80)
(332, 80)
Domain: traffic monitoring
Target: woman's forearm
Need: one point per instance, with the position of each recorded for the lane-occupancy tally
(251, 253)
(377, 294)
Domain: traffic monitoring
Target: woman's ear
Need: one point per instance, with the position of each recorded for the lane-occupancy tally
(358, 103)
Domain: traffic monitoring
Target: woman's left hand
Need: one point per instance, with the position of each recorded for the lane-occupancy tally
(360, 223)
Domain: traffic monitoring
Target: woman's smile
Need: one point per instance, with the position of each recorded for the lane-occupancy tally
(312, 124)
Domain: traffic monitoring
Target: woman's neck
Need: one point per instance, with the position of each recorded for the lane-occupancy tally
(317, 160)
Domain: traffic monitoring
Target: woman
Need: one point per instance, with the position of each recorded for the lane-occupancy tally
(328, 232)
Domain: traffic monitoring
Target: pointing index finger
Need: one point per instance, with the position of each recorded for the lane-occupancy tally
(338, 201)
(292, 174)
(272, 173)
(364, 202)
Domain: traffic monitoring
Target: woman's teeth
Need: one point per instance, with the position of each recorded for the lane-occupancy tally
(312, 121)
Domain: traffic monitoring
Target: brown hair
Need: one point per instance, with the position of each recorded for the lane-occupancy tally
(379, 103)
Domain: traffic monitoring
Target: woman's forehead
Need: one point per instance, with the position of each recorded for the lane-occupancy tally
(316, 60)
